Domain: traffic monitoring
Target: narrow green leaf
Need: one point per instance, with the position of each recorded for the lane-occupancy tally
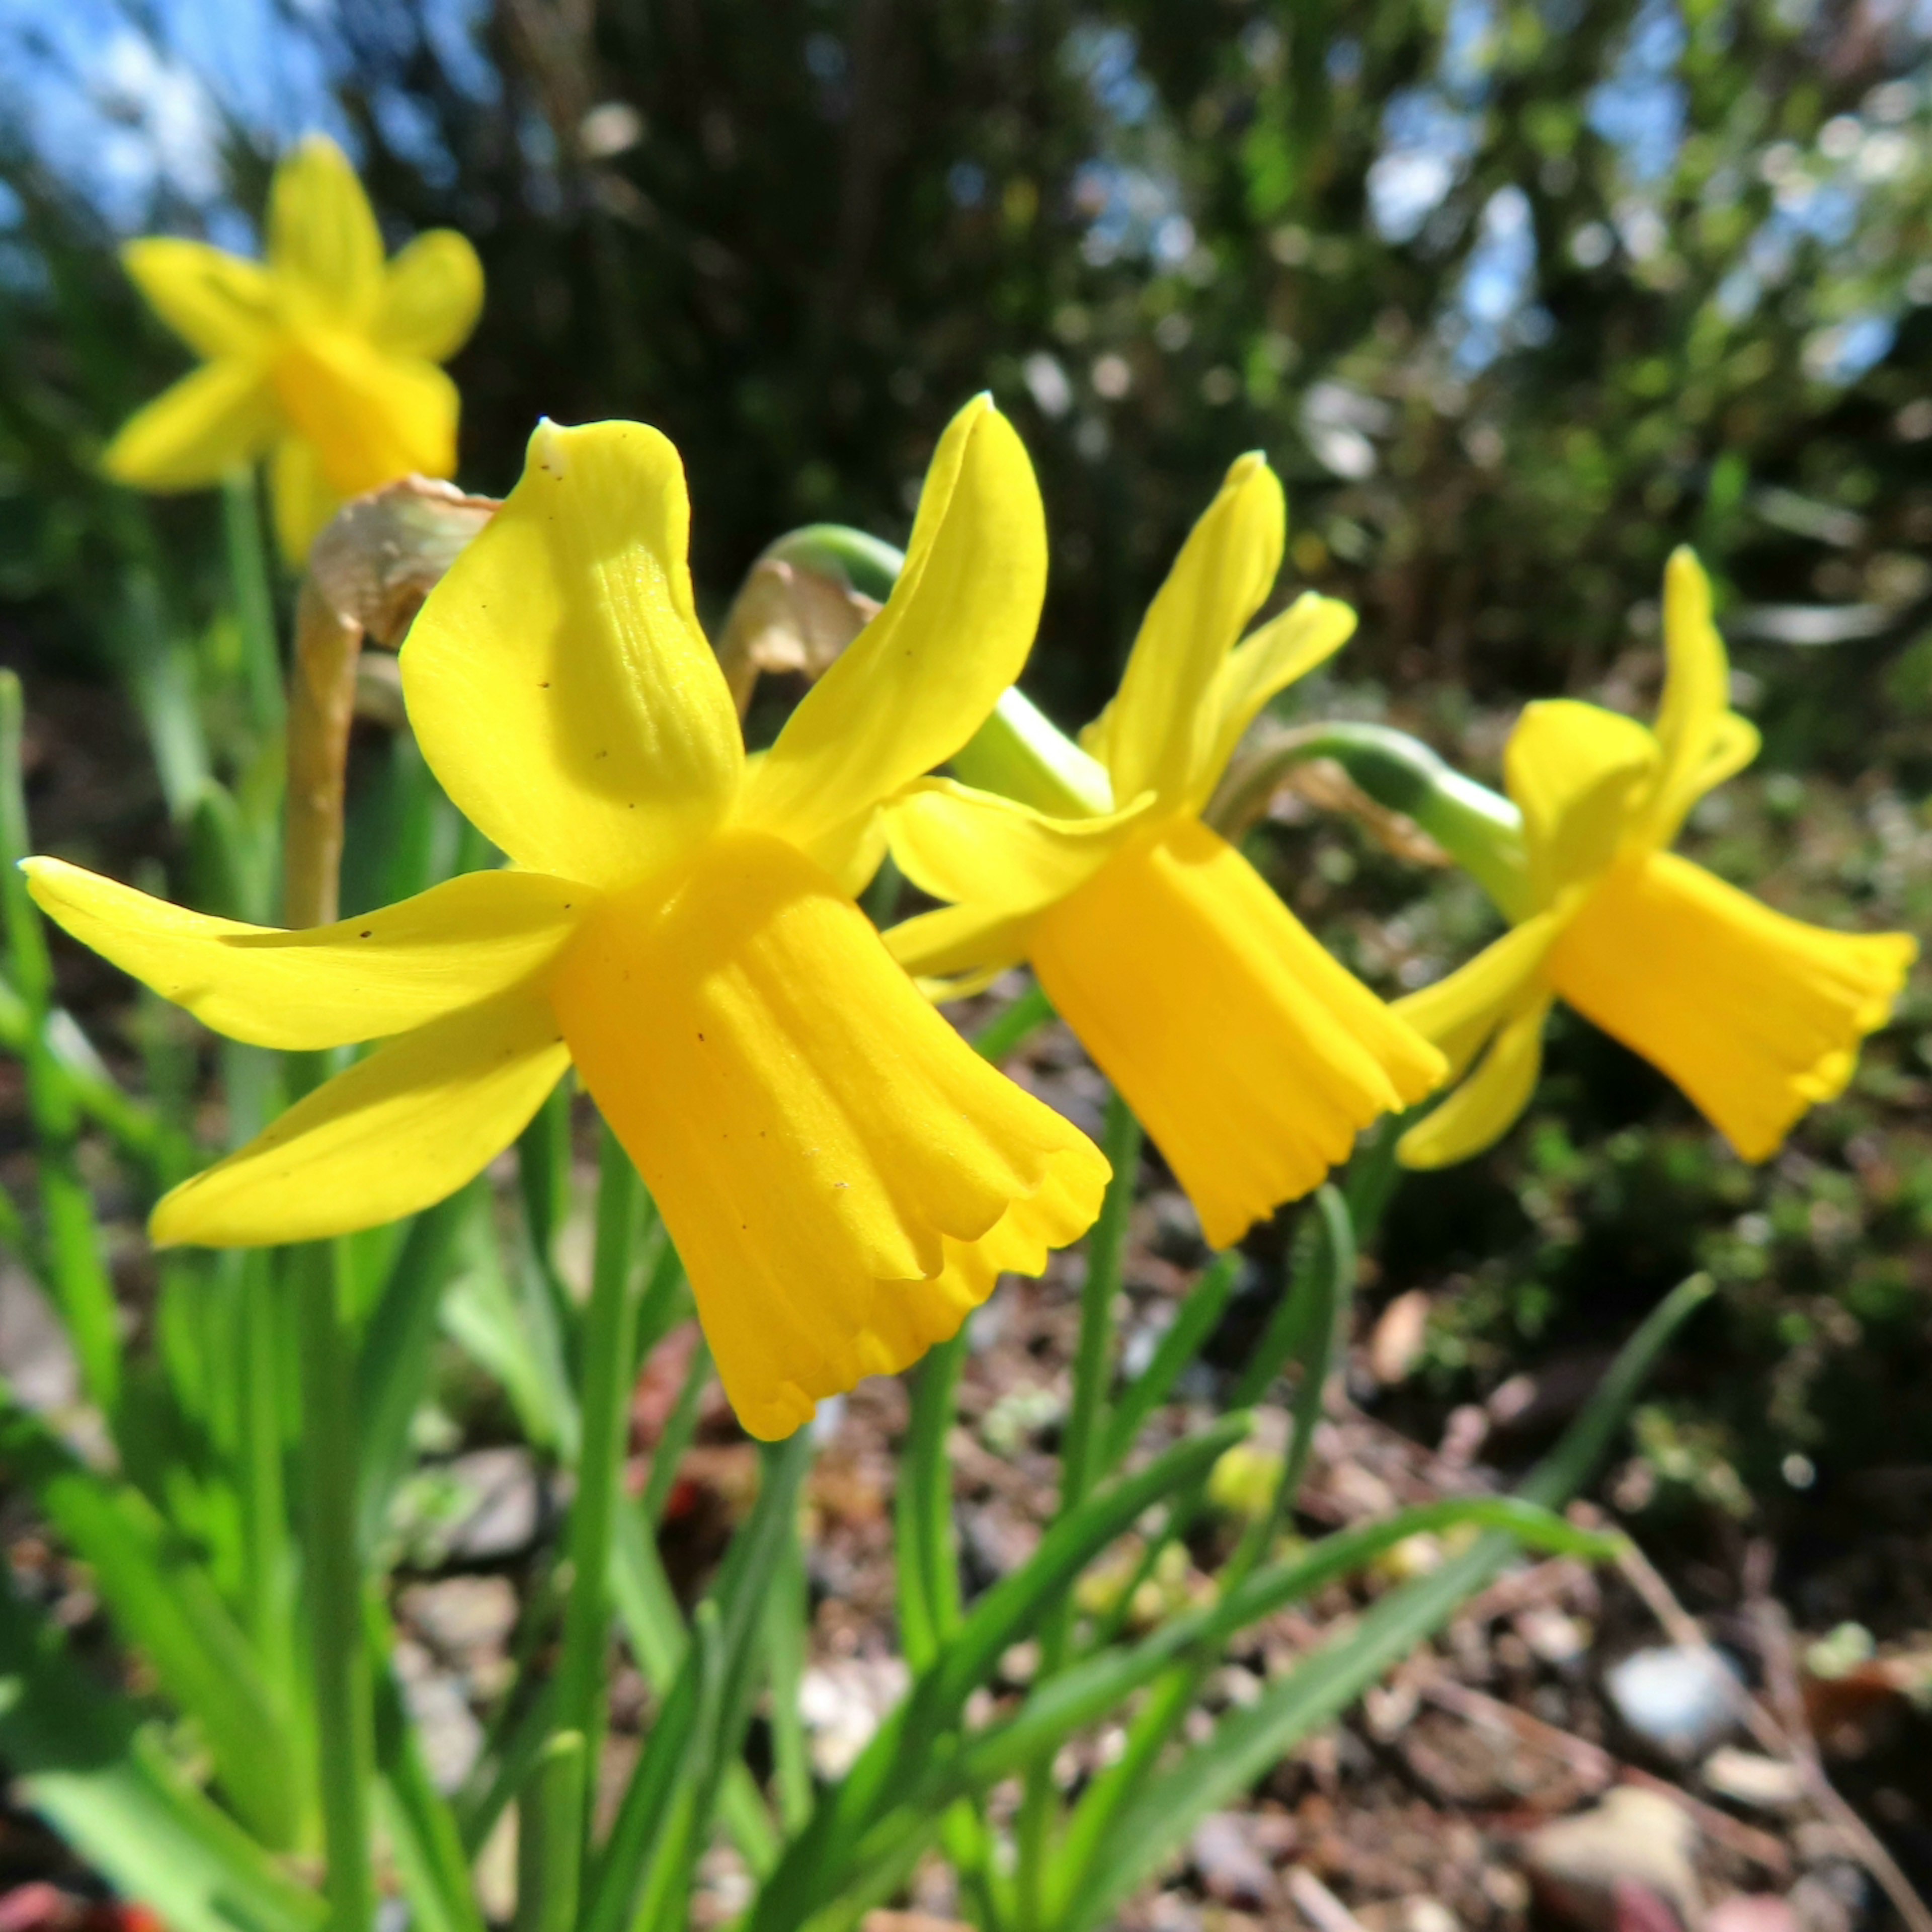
(164, 1604)
(1194, 1322)
(1167, 1808)
(549, 1837)
(79, 1760)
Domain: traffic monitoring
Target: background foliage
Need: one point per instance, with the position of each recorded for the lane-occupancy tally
(1515, 296)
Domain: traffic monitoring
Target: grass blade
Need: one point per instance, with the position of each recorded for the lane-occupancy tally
(1166, 1809)
(78, 1756)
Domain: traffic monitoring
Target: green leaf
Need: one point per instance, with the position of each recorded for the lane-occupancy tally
(82, 1762)
(549, 1837)
(164, 1604)
(1188, 1331)
(818, 1865)
(1165, 1810)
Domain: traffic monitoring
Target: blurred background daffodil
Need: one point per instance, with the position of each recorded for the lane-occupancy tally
(322, 359)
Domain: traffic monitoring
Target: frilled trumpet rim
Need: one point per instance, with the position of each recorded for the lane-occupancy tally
(1755, 1015)
(1252, 1057)
(844, 1177)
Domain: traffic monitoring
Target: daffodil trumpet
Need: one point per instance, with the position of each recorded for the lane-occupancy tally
(844, 1177)
(1754, 1015)
(1253, 1058)
(323, 357)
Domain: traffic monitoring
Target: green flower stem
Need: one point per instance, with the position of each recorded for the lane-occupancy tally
(342, 1687)
(1480, 829)
(249, 581)
(80, 1280)
(1020, 753)
(607, 1354)
(1081, 1448)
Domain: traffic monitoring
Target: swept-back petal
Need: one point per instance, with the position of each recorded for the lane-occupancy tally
(369, 417)
(556, 677)
(814, 1135)
(216, 303)
(1309, 632)
(1253, 1058)
(978, 848)
(1487, 1104)
(1692, 719)
(192, 434)
(432, 295)
(326, 986)
(1460, 1011)
(399, 1131)
(1575, 769)
(1756, 1016)
(921, 678)
(324, 246)
(1156, 735)
(303, 501)
(958, 949)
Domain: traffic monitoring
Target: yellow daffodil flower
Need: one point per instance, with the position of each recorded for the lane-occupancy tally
(1253, 1058)
(844, 1177)
(1754, 1015)
(323, 356)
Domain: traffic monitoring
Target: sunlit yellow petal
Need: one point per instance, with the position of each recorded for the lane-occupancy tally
(324, 247)
(192, 435)
(1487, 1104)
(369, 418)
(432, 295)
(977, 848)
(1252, 1057)
(303, 501)
(1696, 696)
(1158, 732)
(1460, 1012)
(423, 1115)
(217, 303)
(821, 1144)
(1756, 1016)
(920, 678)
(556, 677)
(1734, 744)
(1309, 632)
(1575, 769)
(328, 985)
(958, 944)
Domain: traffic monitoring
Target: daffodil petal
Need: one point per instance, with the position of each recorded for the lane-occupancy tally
(1158, 732)
(557, 679)
(1487, 1105)
(303, 501)
(1576, 770)
(1253, 1058)
(1696, 694)
(369, 417)
(924, 674)
(1755, 1015)
(217, 303)
(1309, 632)
(325, 986)
(1460, 1012)
(957, 943)
(220, 415)
(432, 295)
(324, 246)
(399, 1131)
(821, 1144)
(978, 848)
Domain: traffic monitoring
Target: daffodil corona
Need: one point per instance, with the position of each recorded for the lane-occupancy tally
(1755, 1016)
(323, 357)
(1253, 1057)
(844, 1177)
